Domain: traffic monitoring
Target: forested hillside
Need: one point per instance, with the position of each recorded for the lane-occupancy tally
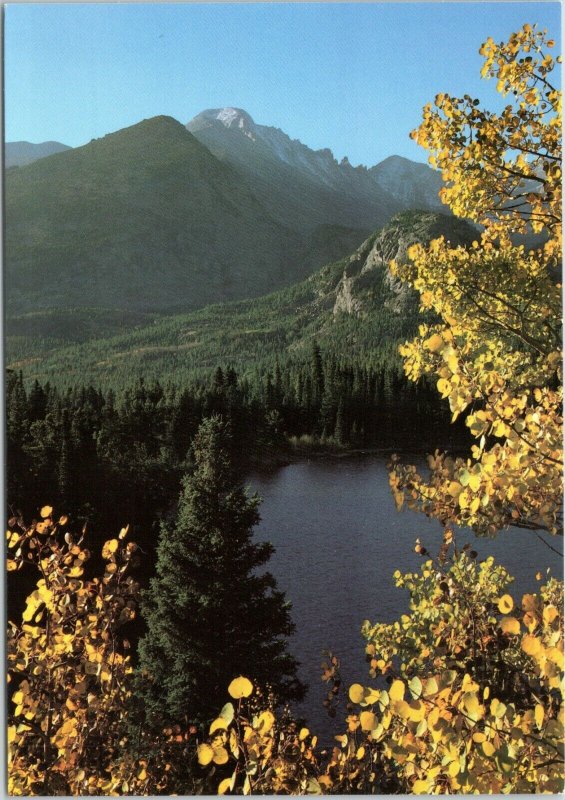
(353, 307)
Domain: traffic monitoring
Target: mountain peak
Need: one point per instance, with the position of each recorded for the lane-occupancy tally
(229, 117)
(235, 118)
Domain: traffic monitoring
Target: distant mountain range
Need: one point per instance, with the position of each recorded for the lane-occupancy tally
(18, 154)
(163, 217)
(353, 307)
(303, 187)
(142, 219)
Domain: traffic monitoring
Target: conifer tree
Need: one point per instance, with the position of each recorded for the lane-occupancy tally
(210, 614)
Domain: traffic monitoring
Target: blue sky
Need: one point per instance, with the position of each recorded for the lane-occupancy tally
(352, 77)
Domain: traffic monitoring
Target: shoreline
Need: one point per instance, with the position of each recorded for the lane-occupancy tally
(296, 453)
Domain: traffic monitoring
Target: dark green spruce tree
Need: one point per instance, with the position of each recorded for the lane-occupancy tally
(211, 615)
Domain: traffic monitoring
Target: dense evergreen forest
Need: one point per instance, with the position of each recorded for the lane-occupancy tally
(109, 459)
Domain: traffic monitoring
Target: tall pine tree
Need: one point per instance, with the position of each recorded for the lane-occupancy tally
(210, 614)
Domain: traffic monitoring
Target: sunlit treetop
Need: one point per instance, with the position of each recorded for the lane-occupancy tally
(496, 350)
(503, 169)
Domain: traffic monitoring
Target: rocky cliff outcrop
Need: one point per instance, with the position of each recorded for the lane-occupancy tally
(367, 278)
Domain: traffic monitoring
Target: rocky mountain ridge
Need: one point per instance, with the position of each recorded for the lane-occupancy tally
(309, 187)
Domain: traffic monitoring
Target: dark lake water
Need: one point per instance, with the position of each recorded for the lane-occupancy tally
(338, 540)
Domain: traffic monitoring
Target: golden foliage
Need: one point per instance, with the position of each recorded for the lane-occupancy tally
(474, 705)
(496, 353)
(69, 667)
(503, 169)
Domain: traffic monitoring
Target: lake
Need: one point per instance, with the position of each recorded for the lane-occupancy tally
(338, 540)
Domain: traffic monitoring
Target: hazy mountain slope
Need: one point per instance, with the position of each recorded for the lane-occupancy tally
(18, 154)
(304, 187)
(144, 219)
(352, 306)
(413, 185)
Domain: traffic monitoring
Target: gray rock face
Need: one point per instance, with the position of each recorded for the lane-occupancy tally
(412, 184)
(368, 274)
(345, 302)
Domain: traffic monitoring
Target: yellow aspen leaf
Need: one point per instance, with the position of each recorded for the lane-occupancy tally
(396, 691)
(227, 713)
(356, 693)
(266, 721)
(12, 538)
(473, 708)
(46, 511)
(539, 715)
(221, 755)
(434, 343)
(443, 387)
(360, 753)
(505, 604)
(402, 708)
(550, 613)
(510, 625)
(225, 786)
(453, 769)
(368, 720)
(142, 774)
(463, 499)
(240, 687)
(218, 724)
(488, 749)
(109, 548)
(531, 645)
(499, 428)
(304, 732)
(417, 710)
(420, 787)
(372, 696)
(205, 754)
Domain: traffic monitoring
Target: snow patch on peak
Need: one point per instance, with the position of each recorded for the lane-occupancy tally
(235, 118)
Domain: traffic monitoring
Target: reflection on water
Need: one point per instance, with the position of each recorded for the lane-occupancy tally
(338, 539)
